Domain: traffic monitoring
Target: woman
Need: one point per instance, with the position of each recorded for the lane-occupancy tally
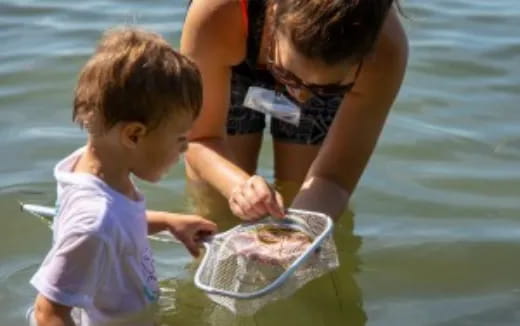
(341, 61)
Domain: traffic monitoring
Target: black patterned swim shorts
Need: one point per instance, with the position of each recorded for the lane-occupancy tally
(317, 115)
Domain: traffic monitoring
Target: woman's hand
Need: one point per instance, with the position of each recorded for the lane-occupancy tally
(254, 199)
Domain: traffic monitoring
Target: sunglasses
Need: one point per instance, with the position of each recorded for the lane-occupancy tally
(287, 78)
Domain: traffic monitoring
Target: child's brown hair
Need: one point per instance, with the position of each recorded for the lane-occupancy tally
(135, 75)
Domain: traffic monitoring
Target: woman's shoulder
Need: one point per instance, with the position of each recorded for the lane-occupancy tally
(219, 25)
(393, 39)
(390, 53)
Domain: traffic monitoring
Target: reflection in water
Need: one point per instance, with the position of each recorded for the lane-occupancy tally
(334, 299)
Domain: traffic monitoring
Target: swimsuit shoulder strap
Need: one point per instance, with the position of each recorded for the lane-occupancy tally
(254, 17)
(245, 17)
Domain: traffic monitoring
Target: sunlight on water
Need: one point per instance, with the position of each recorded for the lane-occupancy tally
(436, 235)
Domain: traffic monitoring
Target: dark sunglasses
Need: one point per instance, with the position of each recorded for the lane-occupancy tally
(287, 78)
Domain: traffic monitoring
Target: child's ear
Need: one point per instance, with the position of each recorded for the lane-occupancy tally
(132, 133)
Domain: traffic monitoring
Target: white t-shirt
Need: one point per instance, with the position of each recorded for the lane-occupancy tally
(100, 261)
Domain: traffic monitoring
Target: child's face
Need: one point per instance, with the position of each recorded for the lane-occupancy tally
(160, 148)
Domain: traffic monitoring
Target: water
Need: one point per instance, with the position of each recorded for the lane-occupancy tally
(437, 210)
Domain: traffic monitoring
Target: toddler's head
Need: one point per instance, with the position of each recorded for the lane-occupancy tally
(138, 94)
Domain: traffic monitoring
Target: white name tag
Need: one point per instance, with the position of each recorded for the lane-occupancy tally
(270, 102)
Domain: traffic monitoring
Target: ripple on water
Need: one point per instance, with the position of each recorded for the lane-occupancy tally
(437, 207)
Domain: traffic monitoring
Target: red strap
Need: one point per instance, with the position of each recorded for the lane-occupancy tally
(243, 6)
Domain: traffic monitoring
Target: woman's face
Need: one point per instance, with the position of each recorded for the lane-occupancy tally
(304, 77)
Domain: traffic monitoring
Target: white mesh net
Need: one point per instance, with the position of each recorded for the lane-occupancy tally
(254, 264)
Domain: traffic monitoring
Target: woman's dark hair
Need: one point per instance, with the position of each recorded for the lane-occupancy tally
(331, 30)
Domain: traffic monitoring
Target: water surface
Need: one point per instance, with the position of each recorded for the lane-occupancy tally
(437, 230)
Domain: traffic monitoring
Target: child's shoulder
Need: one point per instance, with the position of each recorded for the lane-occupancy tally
(80, 210)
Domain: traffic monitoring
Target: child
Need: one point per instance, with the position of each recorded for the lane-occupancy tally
(137, 98)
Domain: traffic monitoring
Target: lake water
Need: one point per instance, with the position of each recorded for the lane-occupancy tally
(436, 239)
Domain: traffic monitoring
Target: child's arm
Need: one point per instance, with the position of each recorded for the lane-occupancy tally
(49, 313)
(189, 229)
(70, 275)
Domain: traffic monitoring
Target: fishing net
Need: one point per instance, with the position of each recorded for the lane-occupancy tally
(253, 264)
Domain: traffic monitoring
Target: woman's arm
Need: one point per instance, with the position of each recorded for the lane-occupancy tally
(214, 37)
(345, 152)
(49, 313)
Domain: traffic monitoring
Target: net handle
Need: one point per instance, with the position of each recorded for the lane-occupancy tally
(280, 279)
(48, 213)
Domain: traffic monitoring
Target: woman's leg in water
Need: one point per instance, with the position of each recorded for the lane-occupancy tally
(335, 298)
(291, 163)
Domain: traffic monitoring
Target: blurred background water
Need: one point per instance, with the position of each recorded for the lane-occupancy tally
(437, 210)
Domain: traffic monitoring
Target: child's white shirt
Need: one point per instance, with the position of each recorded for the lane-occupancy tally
(100, 260)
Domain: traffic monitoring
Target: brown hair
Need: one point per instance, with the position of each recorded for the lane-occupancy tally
(135, 75)
(331, 30)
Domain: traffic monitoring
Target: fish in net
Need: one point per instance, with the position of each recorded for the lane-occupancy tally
(253, 264)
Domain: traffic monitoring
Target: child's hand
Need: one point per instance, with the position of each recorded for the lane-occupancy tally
(190, 230)
(254, 199)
